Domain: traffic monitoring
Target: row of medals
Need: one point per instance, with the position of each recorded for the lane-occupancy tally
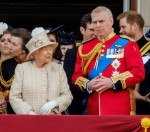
(115, 53)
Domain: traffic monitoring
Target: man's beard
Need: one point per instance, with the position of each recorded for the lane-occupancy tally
(131, 34)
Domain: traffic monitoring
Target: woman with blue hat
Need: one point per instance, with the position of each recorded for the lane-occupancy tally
(66, 41)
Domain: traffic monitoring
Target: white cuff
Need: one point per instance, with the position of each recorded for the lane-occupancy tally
(31, 113)
(88, 90)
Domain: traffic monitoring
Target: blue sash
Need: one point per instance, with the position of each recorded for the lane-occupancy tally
(104, 62)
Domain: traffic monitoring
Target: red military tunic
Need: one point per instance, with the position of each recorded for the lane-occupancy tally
(125, 71)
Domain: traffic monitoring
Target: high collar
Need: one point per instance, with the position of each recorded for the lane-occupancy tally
(141, 42)
(112, 34)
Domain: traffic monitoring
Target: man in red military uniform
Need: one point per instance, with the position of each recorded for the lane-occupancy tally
(108, 67)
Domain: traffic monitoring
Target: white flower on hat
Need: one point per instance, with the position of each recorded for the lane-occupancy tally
(3, 27)
(37, 30)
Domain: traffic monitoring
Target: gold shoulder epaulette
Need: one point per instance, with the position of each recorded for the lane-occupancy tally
(126, 37)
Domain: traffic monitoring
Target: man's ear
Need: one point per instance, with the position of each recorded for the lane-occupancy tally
(82, 30)
(112, 21)
(135, 26)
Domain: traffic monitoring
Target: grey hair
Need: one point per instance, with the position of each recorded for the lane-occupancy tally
(101, 9)
(32, 55)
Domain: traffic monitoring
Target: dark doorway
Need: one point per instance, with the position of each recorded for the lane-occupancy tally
(30, 14)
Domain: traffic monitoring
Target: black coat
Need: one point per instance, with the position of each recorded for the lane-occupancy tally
(7, 71)
(76, 107)
(143, 108)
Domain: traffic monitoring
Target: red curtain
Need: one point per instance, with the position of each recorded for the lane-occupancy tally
(58, 123)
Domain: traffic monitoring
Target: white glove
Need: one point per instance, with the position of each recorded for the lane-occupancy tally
(47, 108)
(31, 113)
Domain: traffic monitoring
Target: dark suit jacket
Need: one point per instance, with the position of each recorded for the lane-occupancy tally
(8, 70)
(76, 107)
(143, 108)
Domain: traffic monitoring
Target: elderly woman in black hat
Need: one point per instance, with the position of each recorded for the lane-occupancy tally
(40, 85)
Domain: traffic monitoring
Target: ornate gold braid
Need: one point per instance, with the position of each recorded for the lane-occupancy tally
(145, 48)
(89, 56)
(8, 83)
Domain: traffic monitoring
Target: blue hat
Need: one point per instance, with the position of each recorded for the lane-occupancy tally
(147, 34)
(66, 38)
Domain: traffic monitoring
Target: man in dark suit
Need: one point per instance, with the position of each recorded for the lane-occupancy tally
(78, 104)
